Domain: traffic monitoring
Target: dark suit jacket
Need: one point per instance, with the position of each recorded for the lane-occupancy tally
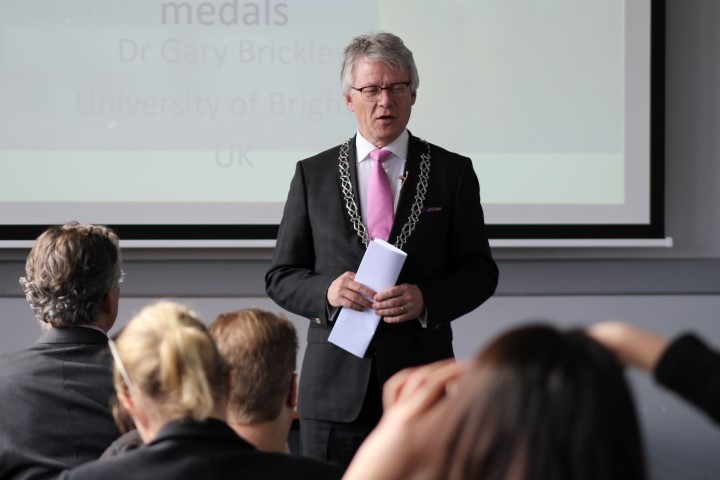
(187, 449)
(448, 258)
(54, 404)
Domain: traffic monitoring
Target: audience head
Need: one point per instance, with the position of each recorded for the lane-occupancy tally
(382, 47)
(260, 348)
(69, 273)
(540, 403)
(168, 367)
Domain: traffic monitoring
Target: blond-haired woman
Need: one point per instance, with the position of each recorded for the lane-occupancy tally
(172, 381)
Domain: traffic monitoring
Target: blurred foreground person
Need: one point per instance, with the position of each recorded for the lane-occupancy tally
(537, 403)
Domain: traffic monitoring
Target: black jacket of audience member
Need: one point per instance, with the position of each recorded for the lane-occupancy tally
(54, 404)
(691, 369)
(187, 449)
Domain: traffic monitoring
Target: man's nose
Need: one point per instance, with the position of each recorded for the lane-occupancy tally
(384, 97)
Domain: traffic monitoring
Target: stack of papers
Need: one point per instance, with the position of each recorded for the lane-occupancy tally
(379, 270)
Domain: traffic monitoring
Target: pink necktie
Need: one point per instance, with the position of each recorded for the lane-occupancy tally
(380, 202)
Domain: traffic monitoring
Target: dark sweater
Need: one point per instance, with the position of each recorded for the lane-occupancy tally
(691, 369)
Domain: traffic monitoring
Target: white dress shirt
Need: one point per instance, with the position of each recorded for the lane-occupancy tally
(394, 168)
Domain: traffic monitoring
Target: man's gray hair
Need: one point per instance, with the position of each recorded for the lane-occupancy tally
(381, 47)
(69, 271)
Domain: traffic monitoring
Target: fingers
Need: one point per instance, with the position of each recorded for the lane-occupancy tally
(399, 303)
(416, 389)
(345, 292)
(396, 304)
(631, 345)
(394, 385)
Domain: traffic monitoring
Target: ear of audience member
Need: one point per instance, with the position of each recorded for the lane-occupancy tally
(172, 381)
(536, 403)
(686, 365)
(260, 348)
(55, 395)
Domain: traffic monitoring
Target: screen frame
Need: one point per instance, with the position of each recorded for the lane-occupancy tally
(654, 229)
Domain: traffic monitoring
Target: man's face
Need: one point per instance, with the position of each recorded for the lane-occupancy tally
(384, 119)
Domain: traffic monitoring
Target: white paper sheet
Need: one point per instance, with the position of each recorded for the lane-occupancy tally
(379, 270)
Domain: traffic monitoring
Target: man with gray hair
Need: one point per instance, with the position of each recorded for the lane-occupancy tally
(382, 183)
(54, 395)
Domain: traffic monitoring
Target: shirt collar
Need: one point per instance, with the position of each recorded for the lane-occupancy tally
(93, 327)
(398, 147)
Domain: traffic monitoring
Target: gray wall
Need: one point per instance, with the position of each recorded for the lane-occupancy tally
(666, 290)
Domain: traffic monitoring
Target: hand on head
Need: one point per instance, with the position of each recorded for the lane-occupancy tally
(408, 396)
(631, 345)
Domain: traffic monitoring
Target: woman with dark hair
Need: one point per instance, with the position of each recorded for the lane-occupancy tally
(537, 403)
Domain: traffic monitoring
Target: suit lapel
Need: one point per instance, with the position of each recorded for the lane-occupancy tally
(407, 193)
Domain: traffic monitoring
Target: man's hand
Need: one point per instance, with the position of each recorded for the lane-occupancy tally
(399, 303)
(345, 292)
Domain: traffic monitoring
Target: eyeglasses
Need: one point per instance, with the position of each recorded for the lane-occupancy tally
(120, 365)
(395, 90)
(122, 277)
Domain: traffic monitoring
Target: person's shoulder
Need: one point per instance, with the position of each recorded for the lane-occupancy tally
(420, 145)
(126, 442)
(106, 469)
(7, 364)
(320, 468)
(19, 359)
(8, 357)
(23, 353)
(300, 467)
(331, 155)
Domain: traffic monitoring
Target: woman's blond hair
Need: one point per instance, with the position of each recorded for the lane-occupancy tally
(169, 357)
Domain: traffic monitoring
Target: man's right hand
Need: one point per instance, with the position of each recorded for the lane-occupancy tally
(345, 292)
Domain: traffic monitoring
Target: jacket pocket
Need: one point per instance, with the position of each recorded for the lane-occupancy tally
(318, 333)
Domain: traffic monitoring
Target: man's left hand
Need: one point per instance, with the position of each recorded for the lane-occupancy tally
(399, 303)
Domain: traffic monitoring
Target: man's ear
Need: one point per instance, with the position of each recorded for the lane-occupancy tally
(292, 395)
(349, 103)
(108, 309)
(110, 300)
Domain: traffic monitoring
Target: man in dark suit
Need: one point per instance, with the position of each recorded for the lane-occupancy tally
(54, 396)
(327, 225)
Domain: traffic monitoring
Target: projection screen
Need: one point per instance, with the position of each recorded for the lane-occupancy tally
(183, 120)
